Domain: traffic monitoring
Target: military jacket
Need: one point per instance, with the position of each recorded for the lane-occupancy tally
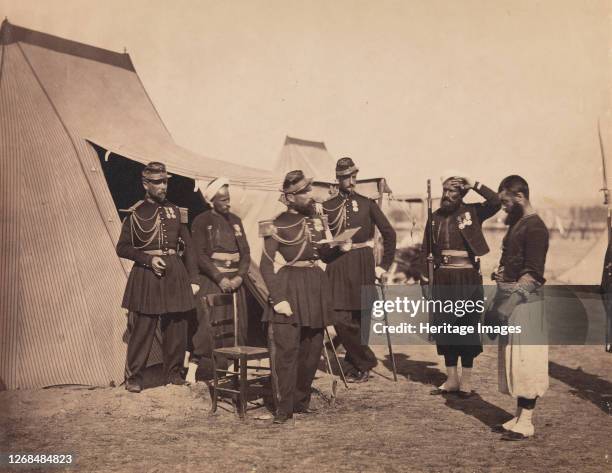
(216, 233)
(153, 226)
(345, 211)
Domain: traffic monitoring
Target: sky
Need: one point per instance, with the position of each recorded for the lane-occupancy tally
(406, 88)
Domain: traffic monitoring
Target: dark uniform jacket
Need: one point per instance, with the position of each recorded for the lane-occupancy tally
(524, 251)
(215, 233)
(461, 230)
(365, 213)
(305, 288)
(157, 227)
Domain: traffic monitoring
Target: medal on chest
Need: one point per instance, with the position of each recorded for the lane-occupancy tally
(170, 212)
(464, 220)
(355, 206)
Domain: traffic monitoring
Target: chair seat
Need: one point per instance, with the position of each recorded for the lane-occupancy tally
(238, 351)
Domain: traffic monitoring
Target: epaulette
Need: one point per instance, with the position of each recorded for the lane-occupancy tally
(267, 228)
(132, 208)
(184, 212)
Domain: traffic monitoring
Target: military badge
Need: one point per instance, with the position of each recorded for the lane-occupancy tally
(170, 212)
(355, 206)
(237, 230)
(464, 220)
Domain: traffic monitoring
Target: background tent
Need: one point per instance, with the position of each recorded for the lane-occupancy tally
(65, 108)
(314, 159)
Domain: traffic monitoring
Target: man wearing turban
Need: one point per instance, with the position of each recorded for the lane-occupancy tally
(458, 243)
(223, 257)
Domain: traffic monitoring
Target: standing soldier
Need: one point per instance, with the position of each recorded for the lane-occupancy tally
(458, 244)
(354, 266)
(159, 284)
(523, 357)
(299, 294)
(223, 257)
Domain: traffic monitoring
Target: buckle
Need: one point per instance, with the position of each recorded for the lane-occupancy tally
(445, 259)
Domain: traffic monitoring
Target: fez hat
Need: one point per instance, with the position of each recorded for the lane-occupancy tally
(155, 171)
(345, 167)
(295, 182)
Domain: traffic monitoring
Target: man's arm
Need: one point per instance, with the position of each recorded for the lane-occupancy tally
(387, 232)
(536, 246)
(190, 258)
(277, 293)
(490, 206)
(126, 250)
(532, 275)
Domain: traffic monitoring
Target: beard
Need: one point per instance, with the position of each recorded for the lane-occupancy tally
(515, 213)
(448, 206)
(159, 197)
(305, 209)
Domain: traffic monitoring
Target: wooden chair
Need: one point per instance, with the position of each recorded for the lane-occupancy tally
(236, 383)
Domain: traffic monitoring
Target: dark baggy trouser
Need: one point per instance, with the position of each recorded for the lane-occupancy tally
(294, 353)
(349, 329)
(141, 328)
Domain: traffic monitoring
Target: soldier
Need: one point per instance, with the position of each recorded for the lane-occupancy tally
(523, 357)
(224, 257)
(458, 244)
(354, 265)
(299, 294)
(159, 285)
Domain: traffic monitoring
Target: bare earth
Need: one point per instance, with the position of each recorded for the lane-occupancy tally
(379, 426)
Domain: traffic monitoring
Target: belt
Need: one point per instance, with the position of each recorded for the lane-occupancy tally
(160, 252)
(454, 253)
(450, 261)
(226, 256)
(365, 244)
(226, 262)
(304, 263)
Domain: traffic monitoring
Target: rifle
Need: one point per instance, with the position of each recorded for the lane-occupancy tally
(430, 256)
(607, 264)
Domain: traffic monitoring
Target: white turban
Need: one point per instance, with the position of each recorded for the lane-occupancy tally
(449, 173)
(213, 187)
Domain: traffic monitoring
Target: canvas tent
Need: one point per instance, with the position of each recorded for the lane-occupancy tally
(65, 108)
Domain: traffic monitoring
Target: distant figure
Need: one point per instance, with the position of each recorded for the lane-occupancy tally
(523, 357)
(354, 266)
(159, 286)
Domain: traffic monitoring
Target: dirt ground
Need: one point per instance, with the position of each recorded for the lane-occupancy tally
(379, 426)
